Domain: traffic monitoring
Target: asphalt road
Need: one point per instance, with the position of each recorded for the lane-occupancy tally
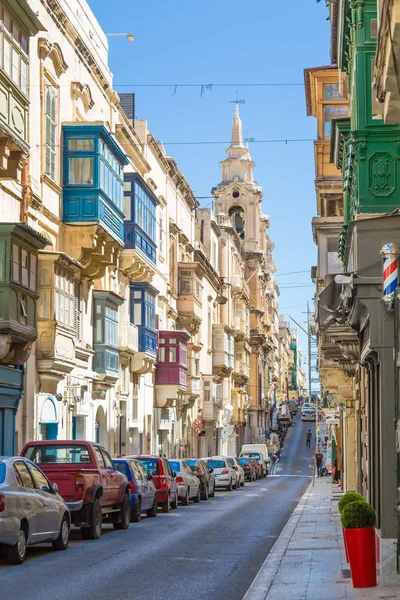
(212, 550)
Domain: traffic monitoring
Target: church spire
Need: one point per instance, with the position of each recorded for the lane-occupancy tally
(238, 166)
(237, 134)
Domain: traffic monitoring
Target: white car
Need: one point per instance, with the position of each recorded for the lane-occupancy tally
(188, 484)
(308, 412)
(31, 510)
(225, 475)
(238, 468)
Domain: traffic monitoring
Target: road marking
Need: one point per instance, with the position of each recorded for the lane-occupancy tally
(193, 559)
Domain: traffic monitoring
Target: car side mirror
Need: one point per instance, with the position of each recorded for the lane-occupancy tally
(211, 470)
(174, 474)
(235, 467)
(54, 488)
(149, 477)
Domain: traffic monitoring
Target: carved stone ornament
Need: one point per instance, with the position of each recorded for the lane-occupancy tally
(82, 91)
(46, 49)
(382, 175)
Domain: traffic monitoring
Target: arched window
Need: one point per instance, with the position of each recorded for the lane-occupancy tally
(237, 215)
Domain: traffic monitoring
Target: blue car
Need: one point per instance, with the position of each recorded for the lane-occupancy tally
(142, 489)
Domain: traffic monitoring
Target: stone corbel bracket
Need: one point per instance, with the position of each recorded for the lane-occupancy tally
(46, 49)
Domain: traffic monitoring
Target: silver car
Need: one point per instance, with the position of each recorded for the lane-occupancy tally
(238, 468)
(188, 484)
(225, 475)
(31, 510)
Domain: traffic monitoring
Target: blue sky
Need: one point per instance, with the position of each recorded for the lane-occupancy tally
(227, 41)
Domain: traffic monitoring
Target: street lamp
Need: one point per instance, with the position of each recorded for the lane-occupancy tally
(129, 36)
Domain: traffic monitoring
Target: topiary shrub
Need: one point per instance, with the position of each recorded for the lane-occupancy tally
(358, 514)
(347, 498)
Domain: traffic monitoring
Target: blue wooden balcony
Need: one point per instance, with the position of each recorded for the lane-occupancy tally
(93, 178)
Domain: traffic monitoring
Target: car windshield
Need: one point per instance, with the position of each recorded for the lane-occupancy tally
(58, 454)
(254, 455)
(244, 461)
(2, 472)
(121, 467)
(150, 464)
(175, 465)
(217, 464)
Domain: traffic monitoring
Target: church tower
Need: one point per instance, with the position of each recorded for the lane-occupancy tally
(238, 210)
(238, 194)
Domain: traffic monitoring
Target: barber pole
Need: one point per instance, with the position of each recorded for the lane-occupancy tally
(390, 256)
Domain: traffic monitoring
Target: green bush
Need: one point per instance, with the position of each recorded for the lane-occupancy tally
(358, 514)
(347, 498)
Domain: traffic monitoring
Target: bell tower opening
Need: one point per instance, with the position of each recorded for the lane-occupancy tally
(236, 213)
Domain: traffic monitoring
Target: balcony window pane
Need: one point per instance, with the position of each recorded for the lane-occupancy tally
(172, 355)
(81, 145)
(80, 171)
(332, 112)
(24, 268)
(2, 260)
(137, 313)
(44, 304)
(6, 56)
(15, 66)
(24, 77)
(331, 91)
(24, 44)
(161, 355)
(185, 286)
(33, 272)
(7, 21)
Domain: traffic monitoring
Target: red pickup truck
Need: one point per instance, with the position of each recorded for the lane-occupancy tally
(87, 480)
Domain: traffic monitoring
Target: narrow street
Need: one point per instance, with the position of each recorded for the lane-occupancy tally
(211, 551)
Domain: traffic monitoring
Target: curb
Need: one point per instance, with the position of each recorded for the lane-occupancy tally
(264, 579)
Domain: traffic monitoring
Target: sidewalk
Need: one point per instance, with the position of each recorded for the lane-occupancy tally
(308, 562)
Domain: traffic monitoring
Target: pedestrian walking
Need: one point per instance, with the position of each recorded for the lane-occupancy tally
(274, 461)
(318, 461)
(308, 439)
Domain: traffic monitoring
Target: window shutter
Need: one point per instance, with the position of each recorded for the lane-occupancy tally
(51, 132)
(77, 309)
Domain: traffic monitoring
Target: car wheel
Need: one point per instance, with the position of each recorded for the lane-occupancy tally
(242, 484)
(125, 514)
(229, 487)
(152, 512)
(197, 497)
(61, 543)
(235, 485)
(186, 499)
(212, 494)
(93, 532)
(15, 555)
(174, 504)
(136, 512)
(165, 506)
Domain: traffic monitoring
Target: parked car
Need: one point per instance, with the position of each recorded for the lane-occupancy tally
(205, 474)
(31, 510)
(260, 452)
(293, 407)
(257, 467)
(142, 489)
(164, 478)
(92, 488)
(238, 468)
(248, 467)
(225, 475)
(188, 483)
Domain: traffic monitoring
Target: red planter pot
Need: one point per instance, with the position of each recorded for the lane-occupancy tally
(345, 545)
(361, 550)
